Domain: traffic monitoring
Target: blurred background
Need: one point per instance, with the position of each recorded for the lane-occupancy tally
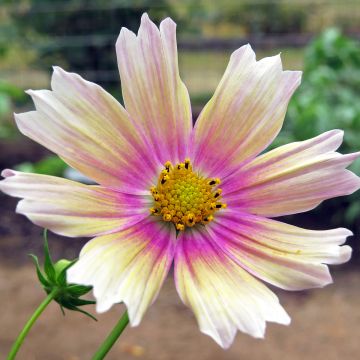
(320, 37)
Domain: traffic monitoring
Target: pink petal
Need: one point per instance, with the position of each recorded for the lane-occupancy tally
(223, 296)
(153, 92)
(245, 113)
(70, 208)
(287, 256)
(91, 131)
(129, 266)
(292, 178)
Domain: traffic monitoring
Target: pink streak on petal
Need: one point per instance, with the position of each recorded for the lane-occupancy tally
(292, 178)
(286, 256)
(91, 131)
(153, 92)
(222, 295)
(73, 209)
(129, 266)
(245, 113)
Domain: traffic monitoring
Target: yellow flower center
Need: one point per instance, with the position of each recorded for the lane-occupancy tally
(185, 198)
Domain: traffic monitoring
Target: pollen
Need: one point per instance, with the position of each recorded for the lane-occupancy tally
(185, 198)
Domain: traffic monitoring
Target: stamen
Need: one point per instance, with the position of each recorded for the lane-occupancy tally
(168, 166)
(213, 182)
(167, 217)
(154, 211)
(184, 198)
(180, 227)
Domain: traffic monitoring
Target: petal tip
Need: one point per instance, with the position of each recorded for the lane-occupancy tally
(336, 132)
(102, 306)
(7, 173)
(286, 319)
(125, 34)
(146, 21)
(168, 21)
(56, 68)
(145, 17)
(29, 92)
(345, 254)
(59, 71)
(346, 232)
(328, 280)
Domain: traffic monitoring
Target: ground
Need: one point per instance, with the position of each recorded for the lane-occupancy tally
(325, 324)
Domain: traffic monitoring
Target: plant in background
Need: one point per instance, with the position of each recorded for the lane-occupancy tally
(8, 95)
(159, 199)
(327, 99)
(51, 165)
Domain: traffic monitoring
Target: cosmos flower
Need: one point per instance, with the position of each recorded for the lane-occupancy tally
(200, 197)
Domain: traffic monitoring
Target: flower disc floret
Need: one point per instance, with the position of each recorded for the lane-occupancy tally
(184, 197)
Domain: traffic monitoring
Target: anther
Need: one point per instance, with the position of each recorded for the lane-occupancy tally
(213, 182)
(164, 179)
(187, 164)
(190, 219)
(221, 206)
(168, 165)
(167, 217)
(180, 227)
(208, 218)
(154, 211)
(218, 193)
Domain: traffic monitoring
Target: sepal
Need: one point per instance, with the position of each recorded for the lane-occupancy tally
(53, 280)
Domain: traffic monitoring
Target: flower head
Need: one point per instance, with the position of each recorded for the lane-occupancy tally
(202, 197)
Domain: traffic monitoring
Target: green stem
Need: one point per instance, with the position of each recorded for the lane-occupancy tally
(111, 339)
(20, 339)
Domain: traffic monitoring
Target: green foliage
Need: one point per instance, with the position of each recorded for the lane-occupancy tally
(328, 98)
(80, 35)
(8, 95)
(51, 165)
(263, 17)
(53, 278)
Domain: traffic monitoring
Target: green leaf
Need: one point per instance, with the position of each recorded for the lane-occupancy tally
(81, 302)
(51, 165)
(48, 264)
(78, 290)
(40, 275)
(74, 308)
(62, 309)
